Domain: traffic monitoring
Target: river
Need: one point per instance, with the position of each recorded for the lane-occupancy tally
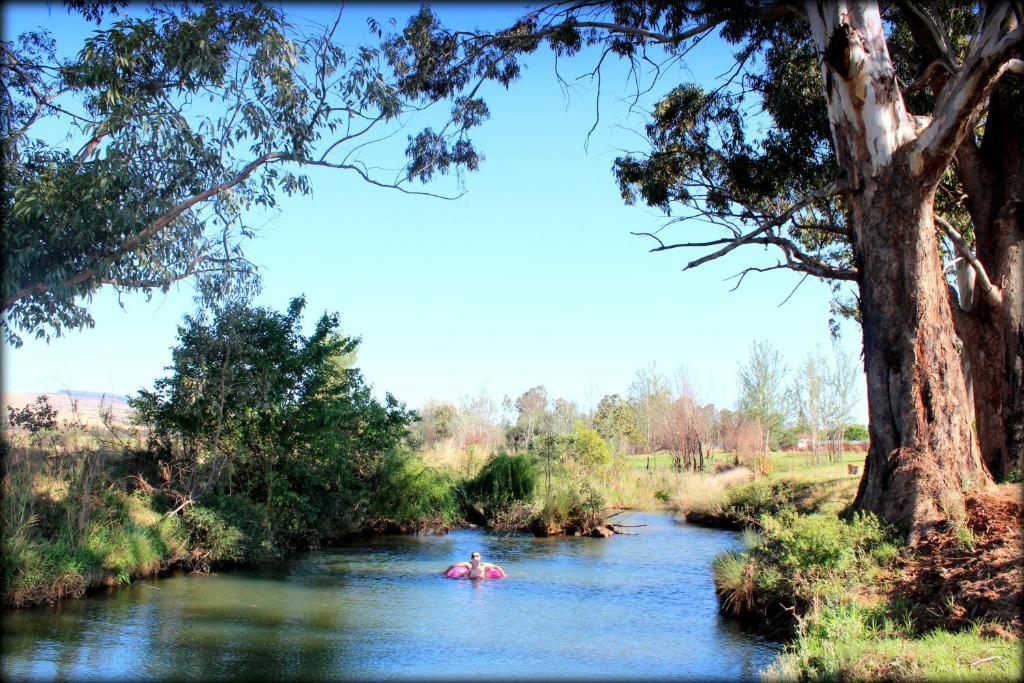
(633, 606)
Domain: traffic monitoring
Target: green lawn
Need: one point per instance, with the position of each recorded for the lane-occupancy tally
(782, 463)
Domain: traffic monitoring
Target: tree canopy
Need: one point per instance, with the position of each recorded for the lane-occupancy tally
(179, 120)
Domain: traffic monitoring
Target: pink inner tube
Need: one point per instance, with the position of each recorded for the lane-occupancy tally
(462, 572)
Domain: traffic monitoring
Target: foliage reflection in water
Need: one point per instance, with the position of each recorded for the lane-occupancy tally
(640, 606)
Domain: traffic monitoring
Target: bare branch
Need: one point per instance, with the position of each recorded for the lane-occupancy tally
(990, 291)
(831, 190)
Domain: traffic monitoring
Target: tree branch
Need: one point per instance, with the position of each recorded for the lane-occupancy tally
(830, 190)
(960, 101)
(155, 227)
(991, 292)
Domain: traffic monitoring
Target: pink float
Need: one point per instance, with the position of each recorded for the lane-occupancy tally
(462, 572)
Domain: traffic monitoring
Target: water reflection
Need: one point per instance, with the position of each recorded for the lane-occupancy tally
(637, 606)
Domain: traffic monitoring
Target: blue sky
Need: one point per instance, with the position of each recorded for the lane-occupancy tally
(532, 277)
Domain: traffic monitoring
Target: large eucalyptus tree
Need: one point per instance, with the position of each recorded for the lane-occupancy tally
(893, 143)
(132, 160)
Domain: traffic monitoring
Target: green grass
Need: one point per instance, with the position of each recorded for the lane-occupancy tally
(853, 643)
(66, 530)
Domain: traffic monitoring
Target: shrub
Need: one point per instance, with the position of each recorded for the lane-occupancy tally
(506, 479)
(252, 520)
(410, 492)
(803, 561)
(212, 538)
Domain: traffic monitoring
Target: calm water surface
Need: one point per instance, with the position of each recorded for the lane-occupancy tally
(638, 606)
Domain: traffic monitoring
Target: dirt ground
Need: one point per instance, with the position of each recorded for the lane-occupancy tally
(950, 585)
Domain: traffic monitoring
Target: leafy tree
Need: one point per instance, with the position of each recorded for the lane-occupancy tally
(840, 399)
(763, 391)
(252, 406)
(788, 438)
(616, 422)
(649, 396)
(179, 121)
(564, 416)
(532, 411)
(856, 432)
(810, 396)
(873, 139)
(438, 421)
(445, 417)
(585, 446)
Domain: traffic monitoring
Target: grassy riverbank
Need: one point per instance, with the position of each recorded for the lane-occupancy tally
(853, 600)
(79, 514)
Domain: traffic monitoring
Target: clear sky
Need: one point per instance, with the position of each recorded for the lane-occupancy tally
(532, 277)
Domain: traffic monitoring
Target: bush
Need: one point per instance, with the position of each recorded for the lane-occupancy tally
(412, 494)
(505, 479)
(252, 520)
(802, 561)
(212, 538)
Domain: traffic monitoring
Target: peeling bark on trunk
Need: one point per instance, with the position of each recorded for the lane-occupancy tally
(923, 453)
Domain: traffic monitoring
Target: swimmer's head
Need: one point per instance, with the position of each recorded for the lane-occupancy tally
(475, 557)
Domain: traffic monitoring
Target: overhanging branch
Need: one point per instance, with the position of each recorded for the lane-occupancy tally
(796, 259)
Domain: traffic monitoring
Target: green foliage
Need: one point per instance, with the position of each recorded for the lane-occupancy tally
(586, 447)
(505, 479)
(251, 520)
(286, 423)
(445, 416)
(856, 432)
(582, 446)
(804, 561)
(219, 106)
(120, 537)
(616, 421)
(1014, 477)
(763, 391)
(410, 493)
(214, 536)
(747, 503)
(848, 642)
(787, 438)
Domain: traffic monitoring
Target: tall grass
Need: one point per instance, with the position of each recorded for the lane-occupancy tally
(414, 495)
(64, 531)
(465, 462)
(506, 479)
(706, 494)
(851, 642)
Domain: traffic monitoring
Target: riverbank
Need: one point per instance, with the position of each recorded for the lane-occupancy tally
(77, 518)
(851, 599)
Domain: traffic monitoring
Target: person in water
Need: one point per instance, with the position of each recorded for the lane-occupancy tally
(477, 569)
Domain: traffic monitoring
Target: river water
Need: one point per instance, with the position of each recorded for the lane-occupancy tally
(639, 607)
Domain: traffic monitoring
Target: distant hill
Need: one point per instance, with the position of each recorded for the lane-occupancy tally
(90, 403)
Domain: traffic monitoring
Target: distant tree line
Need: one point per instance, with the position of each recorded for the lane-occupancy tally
(809, 407)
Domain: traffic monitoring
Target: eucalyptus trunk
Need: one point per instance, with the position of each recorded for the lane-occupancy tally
(992, 328)
(924, 453)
